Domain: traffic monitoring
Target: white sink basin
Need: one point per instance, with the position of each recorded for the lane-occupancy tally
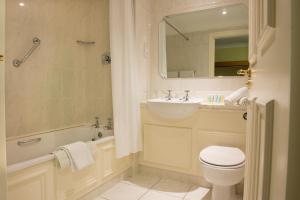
(174, 108)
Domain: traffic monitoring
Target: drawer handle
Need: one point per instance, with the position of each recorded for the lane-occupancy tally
(27, 142)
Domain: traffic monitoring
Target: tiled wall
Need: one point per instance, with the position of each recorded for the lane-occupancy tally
(168, 7)
(63, 83)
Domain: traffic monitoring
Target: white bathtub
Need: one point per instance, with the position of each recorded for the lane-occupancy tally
(20, 156)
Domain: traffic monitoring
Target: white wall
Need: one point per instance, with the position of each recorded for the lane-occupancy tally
(143, 34)
(189, 55)
(272, 81)
(294, 137)
(168, 7)
(2, 107)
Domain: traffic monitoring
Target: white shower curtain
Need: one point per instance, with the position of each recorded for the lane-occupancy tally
(124, 69)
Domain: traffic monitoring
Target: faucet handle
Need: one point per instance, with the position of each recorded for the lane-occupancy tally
(97, 123)
(186, 98)
(169, 97)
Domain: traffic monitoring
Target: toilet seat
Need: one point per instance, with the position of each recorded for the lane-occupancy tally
(222, 157)
(223, 167)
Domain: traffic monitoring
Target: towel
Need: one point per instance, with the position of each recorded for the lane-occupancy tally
(173, 74)
(244, 101)
(92, 147)
(62, 158)
(234, 97)
(79, 154)
(187, 74)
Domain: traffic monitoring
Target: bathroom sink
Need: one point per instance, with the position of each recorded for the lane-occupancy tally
(174, 108)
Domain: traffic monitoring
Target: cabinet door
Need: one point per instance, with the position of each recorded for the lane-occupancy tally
(168, 146)
(35, 183)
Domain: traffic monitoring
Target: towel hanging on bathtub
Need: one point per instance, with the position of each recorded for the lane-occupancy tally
(62, 158)
(78, 154)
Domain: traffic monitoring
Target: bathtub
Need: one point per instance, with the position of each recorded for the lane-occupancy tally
(32, 167)
(27, 151)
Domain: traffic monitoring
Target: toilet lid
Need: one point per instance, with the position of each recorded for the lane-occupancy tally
(222, 156)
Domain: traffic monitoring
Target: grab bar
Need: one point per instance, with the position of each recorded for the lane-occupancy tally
(85, 42)
(30, 141)
(36, 42)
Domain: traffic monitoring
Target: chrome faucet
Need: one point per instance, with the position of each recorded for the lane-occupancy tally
(169, 97)
(109, 125)
(97, 123)
(186, 97)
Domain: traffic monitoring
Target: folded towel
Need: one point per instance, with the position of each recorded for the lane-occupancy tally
(173, 74)
(92, 147)
(62, 158)
(236, 95)
(244, 101)
(187, 74)
(79, 155)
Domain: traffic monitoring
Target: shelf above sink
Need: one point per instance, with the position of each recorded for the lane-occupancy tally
(174, 108)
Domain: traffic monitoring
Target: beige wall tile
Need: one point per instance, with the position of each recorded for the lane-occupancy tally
(62, 83)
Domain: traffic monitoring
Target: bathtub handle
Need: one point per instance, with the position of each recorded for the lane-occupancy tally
(27, 142)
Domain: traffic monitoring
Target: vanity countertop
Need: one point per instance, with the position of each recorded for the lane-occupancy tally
(211, 106)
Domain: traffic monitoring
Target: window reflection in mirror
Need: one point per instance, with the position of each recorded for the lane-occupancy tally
(191, 46)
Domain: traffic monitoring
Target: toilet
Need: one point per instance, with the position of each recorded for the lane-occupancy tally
(223, 167)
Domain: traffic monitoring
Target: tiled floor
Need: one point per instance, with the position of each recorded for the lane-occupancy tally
(143, 187)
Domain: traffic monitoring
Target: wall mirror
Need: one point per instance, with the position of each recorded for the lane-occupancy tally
(204, 44)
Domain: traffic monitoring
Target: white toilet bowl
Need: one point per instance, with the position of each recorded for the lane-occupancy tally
(223, 167)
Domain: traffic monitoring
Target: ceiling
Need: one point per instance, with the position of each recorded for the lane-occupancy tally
(210, 19)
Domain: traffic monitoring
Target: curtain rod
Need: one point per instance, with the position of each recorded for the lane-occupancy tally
(176, 29)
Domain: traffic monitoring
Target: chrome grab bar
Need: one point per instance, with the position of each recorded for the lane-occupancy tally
(85, 42)
(36, 42)
(30, 141)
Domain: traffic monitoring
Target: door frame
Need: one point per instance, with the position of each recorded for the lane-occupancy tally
(3, 186)
(259, 141)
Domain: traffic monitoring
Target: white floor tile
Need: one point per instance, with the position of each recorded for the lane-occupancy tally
(197, 193)
(172, 187)
(142, 180)
(153, 195)
(124, 191)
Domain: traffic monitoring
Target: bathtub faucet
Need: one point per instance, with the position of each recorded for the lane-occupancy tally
(109, 125)
(97, 123)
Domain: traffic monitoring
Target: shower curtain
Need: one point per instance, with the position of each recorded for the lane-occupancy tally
(124, 69)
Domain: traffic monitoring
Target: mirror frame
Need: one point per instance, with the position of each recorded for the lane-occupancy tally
(195, 9)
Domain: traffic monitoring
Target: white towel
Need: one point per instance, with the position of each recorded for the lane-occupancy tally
(173, 74)
(244, 101)
(92, 147)
(187, 74)
(79, 155)
(236, 95)
(62, 158)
